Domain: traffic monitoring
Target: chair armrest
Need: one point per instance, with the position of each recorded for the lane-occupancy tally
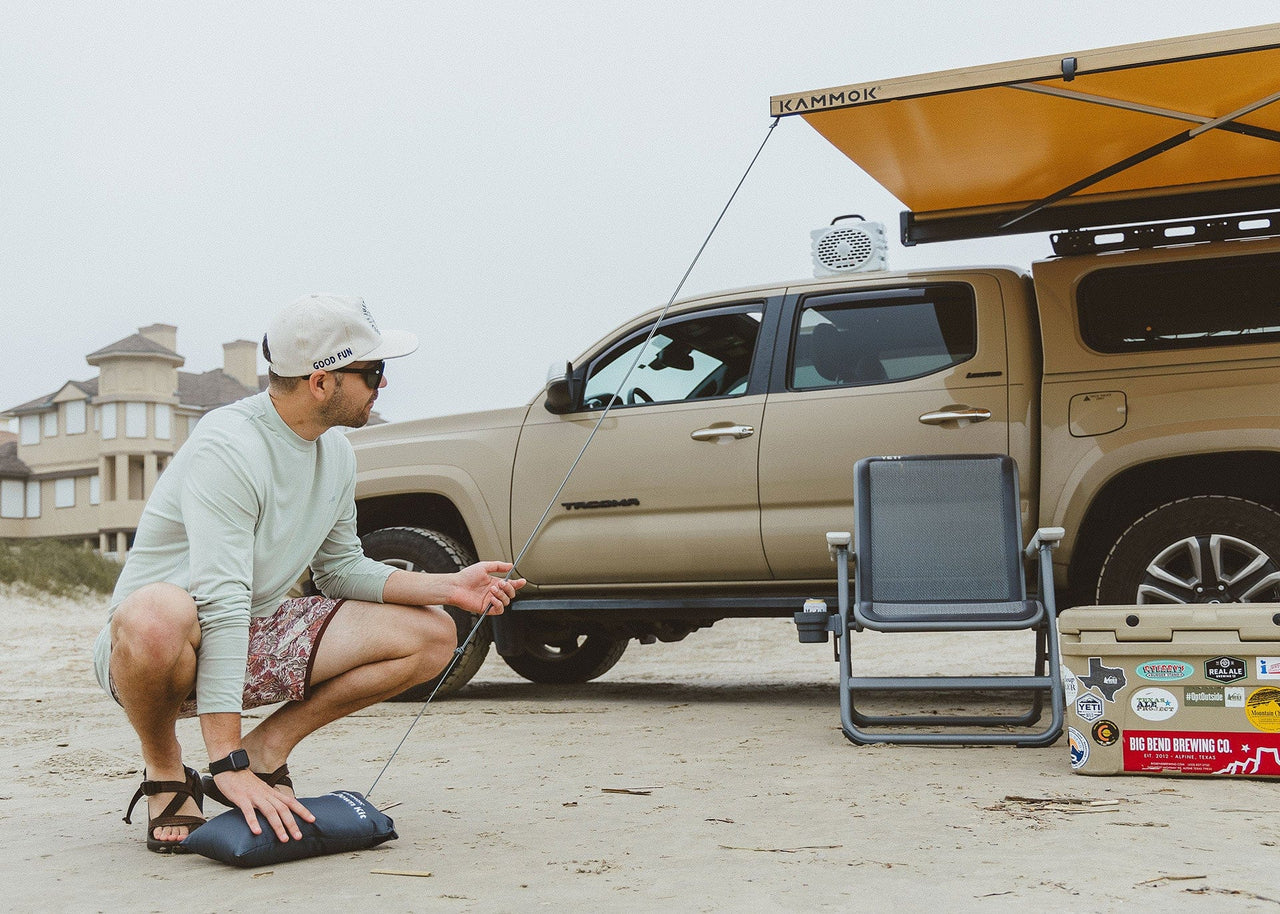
(1044, 537)
(836, 542)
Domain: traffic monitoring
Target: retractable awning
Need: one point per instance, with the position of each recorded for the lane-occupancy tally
(1160, 130)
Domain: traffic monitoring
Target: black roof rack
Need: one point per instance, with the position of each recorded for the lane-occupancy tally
(1083, 213)
(1158, 234)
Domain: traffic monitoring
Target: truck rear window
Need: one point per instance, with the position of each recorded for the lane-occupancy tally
(1225, 301)
(883, 335)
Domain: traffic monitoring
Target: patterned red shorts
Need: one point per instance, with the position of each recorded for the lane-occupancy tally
(282, 648)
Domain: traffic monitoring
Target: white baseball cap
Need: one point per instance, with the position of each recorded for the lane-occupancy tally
(329, 331)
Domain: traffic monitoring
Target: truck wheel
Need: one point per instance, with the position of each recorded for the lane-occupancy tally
(577, 658)
(1204, 549)
(416, 549)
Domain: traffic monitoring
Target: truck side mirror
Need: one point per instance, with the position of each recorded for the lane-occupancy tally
(562, 392)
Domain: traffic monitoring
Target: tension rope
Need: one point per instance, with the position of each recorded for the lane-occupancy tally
(537, 528)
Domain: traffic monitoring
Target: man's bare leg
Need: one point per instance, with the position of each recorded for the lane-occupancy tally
(369, 652)
(154, 635)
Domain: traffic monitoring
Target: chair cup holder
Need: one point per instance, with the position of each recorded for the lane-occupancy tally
(812, 627)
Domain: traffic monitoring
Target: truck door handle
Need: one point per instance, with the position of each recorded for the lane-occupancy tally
(723, 431)
(958, 413)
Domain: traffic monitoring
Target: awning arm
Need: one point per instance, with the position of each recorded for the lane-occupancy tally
(1136, 158)
(1262, 133)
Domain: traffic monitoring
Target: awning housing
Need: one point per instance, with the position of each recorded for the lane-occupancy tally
(1159, 130)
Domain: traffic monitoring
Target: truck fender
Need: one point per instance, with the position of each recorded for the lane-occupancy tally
(450, 482)
(1099, 466)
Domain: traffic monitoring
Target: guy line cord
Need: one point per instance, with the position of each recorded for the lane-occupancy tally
(537, 528)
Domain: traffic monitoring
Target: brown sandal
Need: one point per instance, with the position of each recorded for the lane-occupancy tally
(279, 777)
(181, 790)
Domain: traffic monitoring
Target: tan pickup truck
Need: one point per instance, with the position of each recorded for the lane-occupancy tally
(1142, 423)
(1135, 378)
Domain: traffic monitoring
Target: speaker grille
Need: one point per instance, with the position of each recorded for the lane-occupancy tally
(845, 249)
(849, 248)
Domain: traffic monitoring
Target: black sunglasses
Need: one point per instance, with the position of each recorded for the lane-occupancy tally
(372, 374)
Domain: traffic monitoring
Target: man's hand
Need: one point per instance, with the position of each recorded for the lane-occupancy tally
(252, 796)
(475, 589)
(479, 588)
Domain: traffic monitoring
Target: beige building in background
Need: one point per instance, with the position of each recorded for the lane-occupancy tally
(86, 457)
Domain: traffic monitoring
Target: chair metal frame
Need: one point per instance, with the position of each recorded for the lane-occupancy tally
(1039, 614)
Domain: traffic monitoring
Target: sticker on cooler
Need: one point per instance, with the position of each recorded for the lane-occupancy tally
(1154, 704)
(1225, 669)
(1208, 752)
(1078, 746)
(1089, 707)
(1165, 670)
(1262, 708)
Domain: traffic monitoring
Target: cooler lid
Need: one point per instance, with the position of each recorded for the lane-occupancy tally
(1244, 621)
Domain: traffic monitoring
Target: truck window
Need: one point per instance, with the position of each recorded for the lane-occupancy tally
(1224, 301)
(882, 335)
(693, 358)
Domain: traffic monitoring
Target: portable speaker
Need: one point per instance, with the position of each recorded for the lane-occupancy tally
(852, 247)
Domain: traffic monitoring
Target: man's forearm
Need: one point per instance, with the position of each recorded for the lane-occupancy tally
(417, 588)
(221, 733)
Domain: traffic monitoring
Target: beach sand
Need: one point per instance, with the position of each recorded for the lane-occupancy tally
(707, 775)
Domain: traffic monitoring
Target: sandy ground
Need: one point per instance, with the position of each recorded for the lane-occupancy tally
(709, 775)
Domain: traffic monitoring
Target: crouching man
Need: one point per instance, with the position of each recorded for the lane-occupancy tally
(199, 622)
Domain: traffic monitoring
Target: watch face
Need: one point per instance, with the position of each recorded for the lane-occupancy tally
(238, 760)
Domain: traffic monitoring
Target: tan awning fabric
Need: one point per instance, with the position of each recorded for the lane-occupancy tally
(1166, 118)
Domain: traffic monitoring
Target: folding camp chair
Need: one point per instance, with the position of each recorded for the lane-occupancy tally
(939, 549)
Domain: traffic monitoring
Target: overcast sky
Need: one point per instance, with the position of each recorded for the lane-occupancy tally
(509, 180)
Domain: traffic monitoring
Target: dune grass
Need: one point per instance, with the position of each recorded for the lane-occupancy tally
(55, 567)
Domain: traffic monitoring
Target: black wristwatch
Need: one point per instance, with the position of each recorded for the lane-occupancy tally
(238, 760)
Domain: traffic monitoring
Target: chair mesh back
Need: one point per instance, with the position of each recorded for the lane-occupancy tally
(939, 531)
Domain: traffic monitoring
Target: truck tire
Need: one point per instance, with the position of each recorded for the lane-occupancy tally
(1203, 549)
(575, 659)
(418, 549)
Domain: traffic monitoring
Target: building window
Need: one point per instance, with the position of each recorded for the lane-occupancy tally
(50, 422)
(95, 490)
(75, 417)
(137, 478)
(164, 421)
(135, 420)
(29, 429)
(64, 492)
(11, 498)
(108, 413)
(33, 499)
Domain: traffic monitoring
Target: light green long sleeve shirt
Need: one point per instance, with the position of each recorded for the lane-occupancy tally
(245, 506)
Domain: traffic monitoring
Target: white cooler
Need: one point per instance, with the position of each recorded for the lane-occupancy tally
(1174, 690)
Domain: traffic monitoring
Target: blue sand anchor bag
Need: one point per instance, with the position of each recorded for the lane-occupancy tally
(345, 821)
